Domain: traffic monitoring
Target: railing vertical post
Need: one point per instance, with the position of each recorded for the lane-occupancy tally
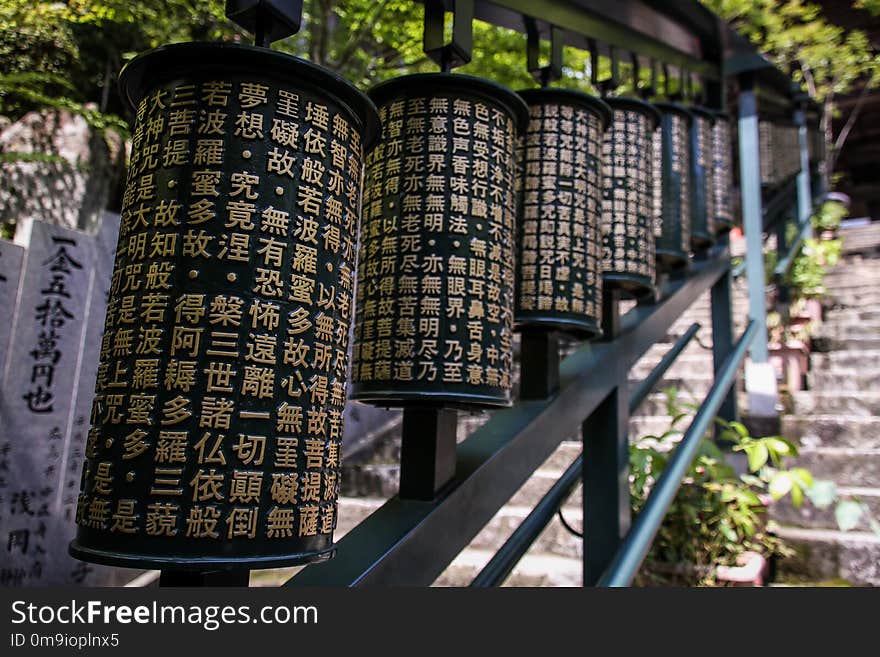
(782, 249)
(605, 472)
(722, 337)
(427, 451)
(760, 376)
(539, 364)
(804, 193)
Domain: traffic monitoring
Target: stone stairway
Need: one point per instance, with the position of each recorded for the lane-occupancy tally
(837, 422)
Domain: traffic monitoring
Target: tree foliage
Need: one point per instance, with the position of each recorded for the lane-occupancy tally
(68, 54)
(826, 59)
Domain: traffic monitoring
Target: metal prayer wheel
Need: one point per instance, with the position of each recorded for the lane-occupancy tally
(559, 249)
(673, 243)
(216, 430)
(434, 300)
(722, 173)
(702, 186)
(628, 197)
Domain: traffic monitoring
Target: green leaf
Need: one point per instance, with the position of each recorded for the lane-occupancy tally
(797, 495)
(780, 484)
(727, 530)
(757, 454)
(802, 477)
(740, 428)
(781, 446)
(848, 514)
(822, 493)
(752, 480)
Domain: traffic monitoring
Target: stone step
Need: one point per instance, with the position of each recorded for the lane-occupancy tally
(866, 359)
(850, 315)
(696, 384)
(353, 510)
(372, 479)
(562, 457)
(852, 298)
(822, 402)
(861, 330)
(650, 425)
(657, 403)
(531, 492)
(833, 343)
(841, 379)
(688, 364)
(845, 466)
(534, 570)
(811, 517)
(555, 539)
(828, 554)
(857, 432)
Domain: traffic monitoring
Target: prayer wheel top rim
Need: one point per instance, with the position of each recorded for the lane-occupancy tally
(167, 63)
(634, 104)
(434, 83)
(569, 96)
(675, 108)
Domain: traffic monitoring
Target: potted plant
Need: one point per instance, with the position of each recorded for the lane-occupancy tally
(827, 220)
(716, 532)
(789, 350)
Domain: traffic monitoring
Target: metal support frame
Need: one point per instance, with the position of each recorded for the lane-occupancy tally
(539, 363)
(544, 75)
(722, 337)
(427, 451)
(605, 467)
(804, 193)
(459, 49)
(782, 249)
(760, 376)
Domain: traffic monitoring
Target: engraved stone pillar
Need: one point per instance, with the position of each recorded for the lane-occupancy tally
(702, 187)
(559, 248)
(216, 430)
(39, 389)
(434, 311)
(674, 242)
(628, 197)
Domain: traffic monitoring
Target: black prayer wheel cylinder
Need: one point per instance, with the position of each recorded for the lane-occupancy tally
(434, 300)
(722, 173)
(216, 430)
(559, 248)
(673, 240)
(628, 197)
(702, 187)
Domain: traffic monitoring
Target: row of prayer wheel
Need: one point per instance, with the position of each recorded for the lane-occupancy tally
(779, 145)
(216, 430)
